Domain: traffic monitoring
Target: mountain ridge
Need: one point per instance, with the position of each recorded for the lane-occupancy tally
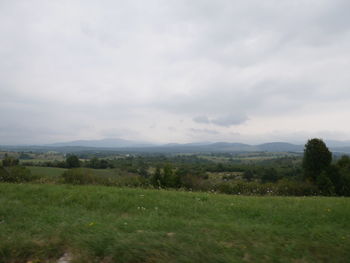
(121, 145)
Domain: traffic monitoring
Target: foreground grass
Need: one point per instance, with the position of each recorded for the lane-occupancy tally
(39, 223)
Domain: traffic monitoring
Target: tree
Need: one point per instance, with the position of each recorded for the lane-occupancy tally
(317, 158)
(248, 175)
(325, 184)
(343, 186)
(168, 175)
(72, 161)
(156, 178)
(269, 175)
(15, 174)
(9, 161)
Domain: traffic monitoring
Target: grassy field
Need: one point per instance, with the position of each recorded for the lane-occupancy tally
(46, 171)
(54, 175)
(39, 223)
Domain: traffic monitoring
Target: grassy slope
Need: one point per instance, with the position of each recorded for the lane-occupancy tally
(106, 224)
(46, 171)
(52, 174)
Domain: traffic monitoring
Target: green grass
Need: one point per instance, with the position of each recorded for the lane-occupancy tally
(46, 174)
(54, 175)
(108, 224)
(46, 171)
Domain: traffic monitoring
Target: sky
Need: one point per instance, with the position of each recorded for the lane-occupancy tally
(174, 71)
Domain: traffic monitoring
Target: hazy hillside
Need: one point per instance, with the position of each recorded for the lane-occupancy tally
(121, 145)
(109, 142)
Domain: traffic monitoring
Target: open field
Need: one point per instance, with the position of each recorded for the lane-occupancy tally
(49, 172)
(54, 175)
(39, 223)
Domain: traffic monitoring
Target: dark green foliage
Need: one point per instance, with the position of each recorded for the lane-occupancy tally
(98, 163)
(9, 161)
(170, 179)
(143, 172)
(248, 175)
(156, 179)
(325, 184)
(317, 158)
(269, 175)
(166, 179)
(15, 174)
(344, 186)
(282, 187)
(343, 166)
(72, 161)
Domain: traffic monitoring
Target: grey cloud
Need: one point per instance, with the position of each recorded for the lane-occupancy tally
(201, 119)
(223, 120)
(88, 69)
(229, 120)
(204, 131)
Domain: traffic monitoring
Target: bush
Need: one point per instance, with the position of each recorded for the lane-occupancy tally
(282, 187)
(9, 161)
(15, 174)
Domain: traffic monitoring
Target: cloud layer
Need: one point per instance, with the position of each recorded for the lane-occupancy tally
(180, 70)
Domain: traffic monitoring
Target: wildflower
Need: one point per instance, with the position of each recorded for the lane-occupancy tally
(91, 224)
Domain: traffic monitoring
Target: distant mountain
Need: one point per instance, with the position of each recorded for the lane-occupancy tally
(333, 143)
(280, 147)
(103, 143)
(127, 146)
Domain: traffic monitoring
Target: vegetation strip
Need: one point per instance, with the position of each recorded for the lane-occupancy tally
(105, 224)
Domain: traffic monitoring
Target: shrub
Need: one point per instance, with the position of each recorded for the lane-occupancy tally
(9, 161)
(282, 187)
(295, 188)
(15, 174)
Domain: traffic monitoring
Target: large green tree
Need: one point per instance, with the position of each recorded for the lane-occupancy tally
(317, 158)
(72, 161)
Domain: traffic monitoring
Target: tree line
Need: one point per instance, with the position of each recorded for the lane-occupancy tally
(315, 173)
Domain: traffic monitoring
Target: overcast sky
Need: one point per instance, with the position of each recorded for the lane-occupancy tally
(174, 71)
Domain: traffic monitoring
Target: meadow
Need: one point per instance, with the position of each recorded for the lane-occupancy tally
(40, 222)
